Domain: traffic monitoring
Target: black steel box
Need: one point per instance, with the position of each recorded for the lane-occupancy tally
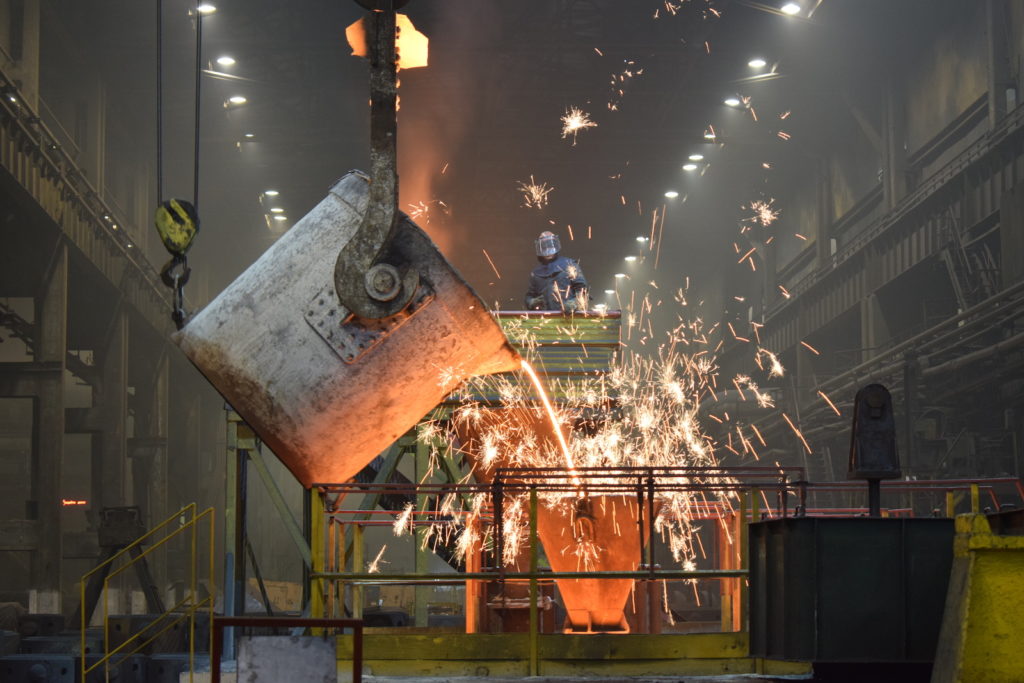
(855, 589)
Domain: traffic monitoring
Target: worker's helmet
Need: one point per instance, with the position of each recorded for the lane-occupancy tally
(547, 245)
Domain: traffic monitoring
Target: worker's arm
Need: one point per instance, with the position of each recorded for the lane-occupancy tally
(534, 299)
(578, 288)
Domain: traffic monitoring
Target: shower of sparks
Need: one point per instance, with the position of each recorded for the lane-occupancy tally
(374, 567)
(422, 211)
(535, 195)
(651, 408)
(619, 82)
(403, 522)
(764, 213)
(573, 121)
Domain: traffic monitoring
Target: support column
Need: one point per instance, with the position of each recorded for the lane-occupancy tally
(894, 139)
(1000, 61)
(873, 327)
(110, 463)
(48, 453)
(826, 214)
(24, 38)
(422, 562)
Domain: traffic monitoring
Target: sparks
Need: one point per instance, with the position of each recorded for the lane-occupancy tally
(573, 121)
(535, 195)
(829, 402)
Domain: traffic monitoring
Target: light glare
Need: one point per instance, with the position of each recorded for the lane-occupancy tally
(690, 167)
(225, 60)
(237, 99)
(791, 8)
(206, 8)
(671, 194)
(696, 157)
(757, 63)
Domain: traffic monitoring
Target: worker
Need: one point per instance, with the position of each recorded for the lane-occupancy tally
(557, 284)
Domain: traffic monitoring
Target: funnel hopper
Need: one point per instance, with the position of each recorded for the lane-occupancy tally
(598, 534)
(327, 391)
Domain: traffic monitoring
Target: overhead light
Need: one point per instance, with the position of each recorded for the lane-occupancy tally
(671, 194)
(250, 136)
(237, 99)
(732, 101)
(225, 60)
(277, 209)
(641, 239)
(689, 167)
(619, 275)
(709, 135)
(696, 157)
(206, 8)
(757, 63)
(271, 193)
(609, 292)
(631, 259)
(279, 217)
(791, 8)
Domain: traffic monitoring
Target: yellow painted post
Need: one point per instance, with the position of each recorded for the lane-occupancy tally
(358, 567)
(950, 504)
(534, 664)
(193, 572)
(755, 504)
(744, 563)
(316, 547)
(975, 499)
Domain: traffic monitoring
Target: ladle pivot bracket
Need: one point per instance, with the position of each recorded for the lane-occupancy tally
(366, 283)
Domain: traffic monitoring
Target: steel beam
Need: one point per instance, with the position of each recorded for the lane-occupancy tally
(48, 453)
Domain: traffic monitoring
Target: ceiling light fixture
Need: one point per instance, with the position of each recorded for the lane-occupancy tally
(696, 157)
(226, 60)
(689, 167)
(277, 209)
(732, 101)
(237, 99)
(671, 194)
(791, 8)
(757, 63)
(271, 193)
(279, 217)
(619, 275)
(609, 292)
(631, 259)
(206, 8)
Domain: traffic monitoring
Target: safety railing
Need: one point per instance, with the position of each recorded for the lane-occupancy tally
(187, 520)
(732, 498)
(219, 623)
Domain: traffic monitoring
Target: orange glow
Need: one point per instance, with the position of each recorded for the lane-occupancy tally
(69, 502)
(413, 47)
(554, 421)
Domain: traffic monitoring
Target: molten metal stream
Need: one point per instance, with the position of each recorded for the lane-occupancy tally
(554, 421)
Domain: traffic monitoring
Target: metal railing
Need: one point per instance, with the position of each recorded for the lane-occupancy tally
(186, 608)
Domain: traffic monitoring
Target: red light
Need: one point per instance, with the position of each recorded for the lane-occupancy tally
(69, 502)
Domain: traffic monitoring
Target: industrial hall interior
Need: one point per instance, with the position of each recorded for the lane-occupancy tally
(474, 340)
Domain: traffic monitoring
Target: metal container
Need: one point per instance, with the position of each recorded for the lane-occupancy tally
(611, 539)
(848, 590)
(328, 392)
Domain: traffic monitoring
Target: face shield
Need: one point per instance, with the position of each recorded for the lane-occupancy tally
(547, 245)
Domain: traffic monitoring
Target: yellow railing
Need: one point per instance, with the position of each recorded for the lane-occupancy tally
(185, 608)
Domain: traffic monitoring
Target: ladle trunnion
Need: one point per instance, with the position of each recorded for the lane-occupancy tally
(325, 389)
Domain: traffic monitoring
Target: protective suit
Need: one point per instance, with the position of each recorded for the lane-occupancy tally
(557, 284)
